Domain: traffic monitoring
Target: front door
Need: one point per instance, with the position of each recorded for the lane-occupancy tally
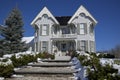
(63, 47)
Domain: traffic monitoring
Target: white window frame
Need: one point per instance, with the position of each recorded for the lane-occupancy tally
(82, 28)
(44, 29)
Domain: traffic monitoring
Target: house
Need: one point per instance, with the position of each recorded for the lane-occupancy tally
(59, 34)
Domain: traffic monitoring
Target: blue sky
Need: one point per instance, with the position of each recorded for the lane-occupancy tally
(106, 12)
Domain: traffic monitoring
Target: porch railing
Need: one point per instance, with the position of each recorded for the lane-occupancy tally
(64, 36)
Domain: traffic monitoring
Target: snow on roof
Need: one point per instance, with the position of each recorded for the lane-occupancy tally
(27, 39)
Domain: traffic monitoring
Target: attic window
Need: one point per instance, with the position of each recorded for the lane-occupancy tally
(82, 14)
(45, 15)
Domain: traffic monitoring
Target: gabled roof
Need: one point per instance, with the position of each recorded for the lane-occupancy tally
(44, 11)
(63, 20)
(82, 9)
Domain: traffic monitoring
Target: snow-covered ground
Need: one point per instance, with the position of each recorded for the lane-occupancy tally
(104, 61)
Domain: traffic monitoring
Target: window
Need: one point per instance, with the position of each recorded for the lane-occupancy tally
(44, 46)
(82, 28)
(44, 29)
(64, 31)
(83, 45)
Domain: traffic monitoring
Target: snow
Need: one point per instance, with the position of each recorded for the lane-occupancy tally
(116, 66)
(80, 70)
(104, 61)
(82, 53)
(2, 78)
(15, 69)
(6, 63)
(7, 56)
(17, 76)
(27, 39)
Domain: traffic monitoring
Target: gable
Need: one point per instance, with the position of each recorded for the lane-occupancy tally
(83, 10)
(43, 12)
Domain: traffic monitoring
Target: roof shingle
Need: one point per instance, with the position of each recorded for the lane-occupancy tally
(63, 20)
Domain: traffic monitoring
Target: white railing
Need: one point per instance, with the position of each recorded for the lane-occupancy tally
(64, 36)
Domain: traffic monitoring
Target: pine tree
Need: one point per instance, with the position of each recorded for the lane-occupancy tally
(12, 33)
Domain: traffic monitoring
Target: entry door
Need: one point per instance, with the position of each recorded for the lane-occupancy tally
(63, 47)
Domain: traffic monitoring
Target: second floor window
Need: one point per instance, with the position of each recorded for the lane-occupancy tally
(44, 29)
(82, 28)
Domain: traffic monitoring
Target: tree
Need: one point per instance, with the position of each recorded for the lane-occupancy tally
(12, 33)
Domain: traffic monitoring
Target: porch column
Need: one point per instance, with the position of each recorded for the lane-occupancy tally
(34, 46)
(51, 45)
(38, 40)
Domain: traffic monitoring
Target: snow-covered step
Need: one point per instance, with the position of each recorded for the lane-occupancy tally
(45, 70)
(68, 58)
(52, 64)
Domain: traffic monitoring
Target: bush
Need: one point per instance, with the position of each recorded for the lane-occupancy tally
(117, 62)
(72, 53)
(45, 55)
(83, 59)
(23, 60)
(6, 70)
(106, 56)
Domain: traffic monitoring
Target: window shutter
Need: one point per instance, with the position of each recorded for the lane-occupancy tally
(85, 25)
(86, 42)
(47, 29)
(78, 29)
(37, 46)
(40, 30)
(40, 46)
(78, 45)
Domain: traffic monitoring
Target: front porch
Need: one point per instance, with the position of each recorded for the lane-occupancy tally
(62, 47)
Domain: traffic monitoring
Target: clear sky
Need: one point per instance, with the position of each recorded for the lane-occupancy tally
(106, 12)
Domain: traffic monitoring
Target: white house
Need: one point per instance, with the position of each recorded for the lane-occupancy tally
(59, 34)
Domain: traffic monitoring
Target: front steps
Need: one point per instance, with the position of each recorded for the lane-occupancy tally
(46, 70)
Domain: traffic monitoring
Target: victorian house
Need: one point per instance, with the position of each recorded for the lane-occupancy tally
(59, 34)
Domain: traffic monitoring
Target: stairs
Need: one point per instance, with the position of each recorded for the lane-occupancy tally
(46, 70)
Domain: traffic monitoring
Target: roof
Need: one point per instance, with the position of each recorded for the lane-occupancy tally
(63, 20)
(28, 39)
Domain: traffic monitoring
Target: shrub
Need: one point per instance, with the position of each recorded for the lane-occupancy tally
(45, 55)
(72, 53)
(6, 70)
(117, 62)
(23, 60)
(4, 60)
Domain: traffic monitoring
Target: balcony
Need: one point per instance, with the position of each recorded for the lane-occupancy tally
(69, 36)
